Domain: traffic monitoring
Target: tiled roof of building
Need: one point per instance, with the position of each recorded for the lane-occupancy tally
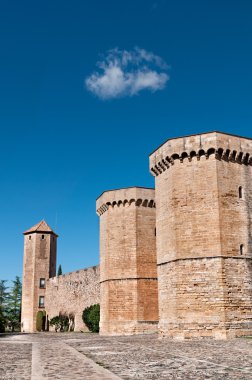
(40, 227)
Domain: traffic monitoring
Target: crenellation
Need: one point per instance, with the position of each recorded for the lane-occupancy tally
(222, 146)
(124, 198)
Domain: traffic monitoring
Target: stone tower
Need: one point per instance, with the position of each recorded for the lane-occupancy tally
(40, 247)
(128, 275)
(204, 235)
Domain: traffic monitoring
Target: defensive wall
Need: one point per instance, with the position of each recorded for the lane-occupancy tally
(71, 293)
(178, 257)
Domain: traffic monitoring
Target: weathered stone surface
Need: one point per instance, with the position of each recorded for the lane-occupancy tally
(47, 357)
(40, 246)
(129, 299)
(146, 357)
(15, 360)
(204, 245)
(76, 356)
(71, 293)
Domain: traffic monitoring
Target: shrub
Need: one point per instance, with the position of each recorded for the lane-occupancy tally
(39, 320)
(91, 317)
(2, 324)
(60, 322)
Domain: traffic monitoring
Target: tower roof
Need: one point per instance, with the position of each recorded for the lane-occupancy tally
(40, 227)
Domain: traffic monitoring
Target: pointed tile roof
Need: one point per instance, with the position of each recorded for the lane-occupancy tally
(40, 227)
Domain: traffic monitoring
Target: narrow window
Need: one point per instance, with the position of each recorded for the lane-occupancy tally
(42, 283)
(155, 232)
(240, 192)
(42, 237)
(41, 301)
(30, 237)
(241, 249)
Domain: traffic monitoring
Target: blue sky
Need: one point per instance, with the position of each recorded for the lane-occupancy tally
(63, 142)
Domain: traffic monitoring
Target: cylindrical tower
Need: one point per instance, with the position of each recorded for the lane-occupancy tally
(204, 235)
(128, 274)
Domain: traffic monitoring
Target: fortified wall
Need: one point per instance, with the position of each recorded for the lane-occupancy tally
(177, 258)
(71, 293)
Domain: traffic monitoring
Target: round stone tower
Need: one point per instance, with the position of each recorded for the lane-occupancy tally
(129, 297)
(40, 247)
(204, 235)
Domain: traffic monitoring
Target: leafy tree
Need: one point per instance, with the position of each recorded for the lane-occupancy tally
(59, 270)
(3, 294)
(60, 322)
(13, 305)
(2, 321)
(91, 317)
(55, 321)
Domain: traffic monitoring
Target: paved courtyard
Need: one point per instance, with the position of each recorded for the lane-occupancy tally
(78, 356)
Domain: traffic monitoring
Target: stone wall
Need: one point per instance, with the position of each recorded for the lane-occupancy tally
(71, 293)
(204, 235)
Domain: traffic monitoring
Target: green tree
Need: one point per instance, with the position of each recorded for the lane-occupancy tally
(59, 270)
(2, 321)
(3, 294)
(40, 320)
(60, 322)
(91, 317)
(3, 302)
(13, 305)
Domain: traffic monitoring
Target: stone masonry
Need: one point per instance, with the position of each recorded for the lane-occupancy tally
(204, 244)
(71, 293)
(178, 257)
(40, 246)
(68, 294)
(129, 298)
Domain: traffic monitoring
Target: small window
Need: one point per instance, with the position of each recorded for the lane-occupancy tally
(42, 237)
(155, 232)
(30, 237)
(241, 249)
(240, 192)
(42, 283)
(41, 301)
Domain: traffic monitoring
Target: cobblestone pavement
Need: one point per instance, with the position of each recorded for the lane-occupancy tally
(76, 356)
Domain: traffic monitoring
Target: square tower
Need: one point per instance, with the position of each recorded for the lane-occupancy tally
(204, 235)
(40, 249)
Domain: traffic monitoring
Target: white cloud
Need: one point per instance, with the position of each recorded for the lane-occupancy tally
(126, 73)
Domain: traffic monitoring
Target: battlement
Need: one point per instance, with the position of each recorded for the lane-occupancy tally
(81, 272)
(138, 196)
(221, 145)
